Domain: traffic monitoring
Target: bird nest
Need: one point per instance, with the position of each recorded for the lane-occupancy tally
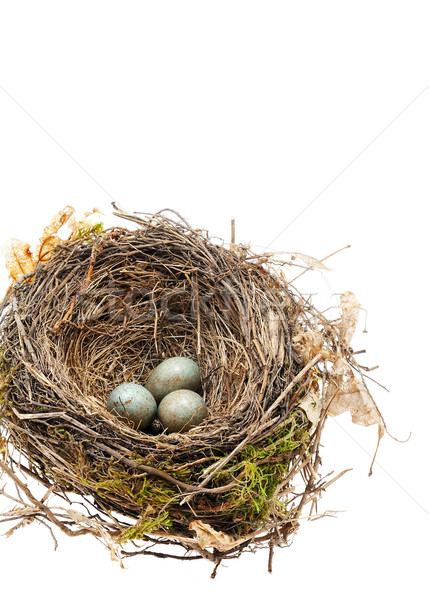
(107, 306)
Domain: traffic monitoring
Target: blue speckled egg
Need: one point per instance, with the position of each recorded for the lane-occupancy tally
(131, 401)
(176, 373)
(181, 410)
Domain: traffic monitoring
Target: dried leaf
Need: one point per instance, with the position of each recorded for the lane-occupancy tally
(49, 237)
(19, 258)
(346, 392)
(207, 536)
(309, 261)
(350, 308)
(312, 405)
(99, 531)
(24, 521)
(307, 344)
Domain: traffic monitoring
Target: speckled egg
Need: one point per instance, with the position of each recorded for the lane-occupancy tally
(181, 410)
(133, 401)
(176, 373)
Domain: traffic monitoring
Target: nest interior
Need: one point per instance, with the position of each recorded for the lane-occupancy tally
(107, 308)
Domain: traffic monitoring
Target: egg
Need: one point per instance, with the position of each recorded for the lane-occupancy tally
(176, 373)
(131, 401)
(181, 410)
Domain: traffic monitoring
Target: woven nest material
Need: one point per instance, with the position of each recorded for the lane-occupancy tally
(108, 307)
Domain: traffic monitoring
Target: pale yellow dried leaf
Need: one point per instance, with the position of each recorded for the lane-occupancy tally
(207, 536)
(307, 344)
(312, 405)
(99, 531)
(310, 261)
(346, 392)
(350, 308)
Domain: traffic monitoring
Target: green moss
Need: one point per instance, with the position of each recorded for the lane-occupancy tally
(150, 496)
(85, 232)
(155, 492)
(4, 372)
(146, 524)
(62, 433)
(258, 470)
(142, 491)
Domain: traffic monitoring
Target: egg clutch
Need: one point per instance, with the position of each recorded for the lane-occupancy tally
(170, 393)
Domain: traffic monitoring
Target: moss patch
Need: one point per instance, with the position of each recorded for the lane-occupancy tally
(258, 470)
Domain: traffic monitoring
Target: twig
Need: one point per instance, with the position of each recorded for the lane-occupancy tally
(292, 384)
(158, 473)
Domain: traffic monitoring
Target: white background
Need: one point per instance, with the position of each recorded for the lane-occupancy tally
(246, 109)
